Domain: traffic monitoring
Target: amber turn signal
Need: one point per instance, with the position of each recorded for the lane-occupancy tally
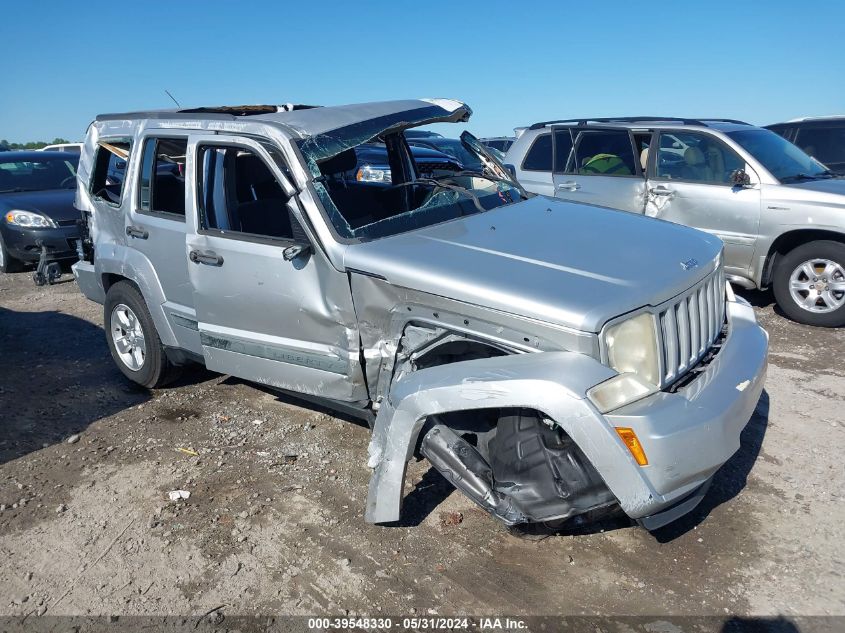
(633, 443)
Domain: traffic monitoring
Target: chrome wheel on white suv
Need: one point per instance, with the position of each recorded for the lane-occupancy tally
(128, 337)
(818, 285)
(809, 283)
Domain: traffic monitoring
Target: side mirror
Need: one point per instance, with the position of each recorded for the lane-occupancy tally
(292, 252)
(739, 178)
(511, 169)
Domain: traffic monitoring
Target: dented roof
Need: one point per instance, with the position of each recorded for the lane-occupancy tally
(309, 121)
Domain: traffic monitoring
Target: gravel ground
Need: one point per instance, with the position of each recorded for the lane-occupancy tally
(274, 519)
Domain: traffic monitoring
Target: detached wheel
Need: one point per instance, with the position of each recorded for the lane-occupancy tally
(8, 264)
(132, 338)
(809, 284)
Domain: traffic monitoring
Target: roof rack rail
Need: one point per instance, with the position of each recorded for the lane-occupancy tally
(637, 119)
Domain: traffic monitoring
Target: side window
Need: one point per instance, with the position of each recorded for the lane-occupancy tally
(563, 151)
(825, 144)
(605, 153)
(162, 183)
(695, 157)
(110, 168)
(238, 193)
(539, 157)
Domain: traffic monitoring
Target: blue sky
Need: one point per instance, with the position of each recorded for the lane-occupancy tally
(513, 62)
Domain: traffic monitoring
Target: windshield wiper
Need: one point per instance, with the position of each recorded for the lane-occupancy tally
(481, 174)
(824, 174)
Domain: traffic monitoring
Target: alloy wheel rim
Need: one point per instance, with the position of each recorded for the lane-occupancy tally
(128, 337)
(818, 285)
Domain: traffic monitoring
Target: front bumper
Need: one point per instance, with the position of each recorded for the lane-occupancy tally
(22, 243)
(689, 434)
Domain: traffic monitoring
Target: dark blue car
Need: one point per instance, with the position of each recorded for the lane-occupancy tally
(36, 202)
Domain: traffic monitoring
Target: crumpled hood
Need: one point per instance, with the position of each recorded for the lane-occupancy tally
(56, 204)
(570, 264)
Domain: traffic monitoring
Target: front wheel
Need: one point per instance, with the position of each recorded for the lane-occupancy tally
(809, 284)
(8, 264)
(132, 338)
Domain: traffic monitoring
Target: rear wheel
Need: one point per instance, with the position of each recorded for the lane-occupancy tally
(809, 284)
(132, 338)
(8, 264)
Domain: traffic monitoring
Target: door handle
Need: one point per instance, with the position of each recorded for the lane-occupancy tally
(569, 185)
(209, 257)
(661, 191)
(137, 231)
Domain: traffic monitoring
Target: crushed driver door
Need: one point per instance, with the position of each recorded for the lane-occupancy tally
(270, 308)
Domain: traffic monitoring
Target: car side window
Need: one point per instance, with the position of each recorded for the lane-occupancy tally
(110, 168)
(825, 144)
(563, 151)
(604, 153)
(539, 156)
(238, 193)
(695, 157)
(162, 182)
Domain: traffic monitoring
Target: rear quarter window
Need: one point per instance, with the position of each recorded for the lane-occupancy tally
(111, 167)
(539, 156)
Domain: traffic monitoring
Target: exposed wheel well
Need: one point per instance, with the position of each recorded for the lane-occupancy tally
(788, 241)
(110, 279)
(455, 351)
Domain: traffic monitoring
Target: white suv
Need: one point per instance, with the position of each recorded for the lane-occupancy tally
(778, 211)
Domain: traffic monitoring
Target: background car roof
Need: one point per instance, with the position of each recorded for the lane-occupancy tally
(35, 155)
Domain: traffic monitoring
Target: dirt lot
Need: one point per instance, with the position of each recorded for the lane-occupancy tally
(274, 521)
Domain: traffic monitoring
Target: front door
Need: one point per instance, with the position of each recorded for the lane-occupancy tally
(690, 183)
(265, 313)
(598, 166)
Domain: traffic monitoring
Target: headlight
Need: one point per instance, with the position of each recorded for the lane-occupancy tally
(632, 348)
(619, 391)
(373, 174)
(29, 219)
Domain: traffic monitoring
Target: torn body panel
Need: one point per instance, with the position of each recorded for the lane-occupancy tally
(690, 432)
(553, 383)
(384, 312)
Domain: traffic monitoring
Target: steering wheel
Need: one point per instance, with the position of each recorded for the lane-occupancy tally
(67, 180)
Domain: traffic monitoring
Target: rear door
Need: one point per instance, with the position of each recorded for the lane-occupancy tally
(598, 166)
(265, 313)
(155, 226)
(690, 183)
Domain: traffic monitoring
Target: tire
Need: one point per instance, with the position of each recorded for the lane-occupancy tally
(809, 284)
(132, 338)
(8, 264)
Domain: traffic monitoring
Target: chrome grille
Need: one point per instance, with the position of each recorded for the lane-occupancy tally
(690, 325)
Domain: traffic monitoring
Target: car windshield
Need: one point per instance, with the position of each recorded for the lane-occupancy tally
(37, 174)
(368, 205)
(784, 160)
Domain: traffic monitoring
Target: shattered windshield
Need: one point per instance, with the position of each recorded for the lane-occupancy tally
(369, 197)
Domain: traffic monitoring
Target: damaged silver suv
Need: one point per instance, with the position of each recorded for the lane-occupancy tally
(550, 359)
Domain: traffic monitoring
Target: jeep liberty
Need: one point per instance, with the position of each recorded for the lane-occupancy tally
(550, 359)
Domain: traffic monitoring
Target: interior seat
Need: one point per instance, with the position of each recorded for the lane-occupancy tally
(695, 166)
